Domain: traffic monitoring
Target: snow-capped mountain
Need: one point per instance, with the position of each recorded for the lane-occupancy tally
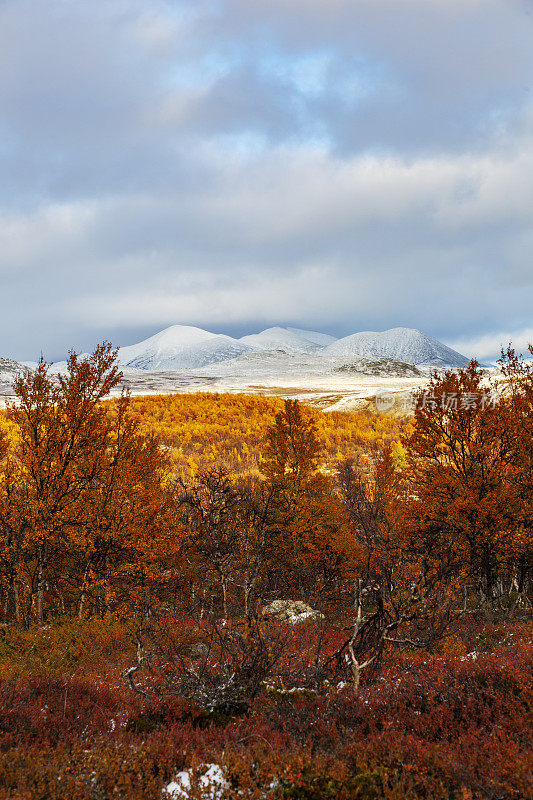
(187, 348)
(286, 339)
(9, 369)
(181, 347)
(403, 344)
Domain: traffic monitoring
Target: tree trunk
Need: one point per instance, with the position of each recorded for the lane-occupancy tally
(83, 595)
(224, 599)
(61, 600)
(247, 592)
(41, 583)
(107, 592)
(355, 669)
(488, 575)
(355, 665)
(81, 605)
(16, 601)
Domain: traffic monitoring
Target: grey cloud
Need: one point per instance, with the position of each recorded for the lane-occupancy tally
(301, 236)
(341, 164)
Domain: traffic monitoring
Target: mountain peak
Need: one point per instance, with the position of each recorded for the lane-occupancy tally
(278, 338)
(405, 344)
(180, 347)
(186, 347)
(9, 368)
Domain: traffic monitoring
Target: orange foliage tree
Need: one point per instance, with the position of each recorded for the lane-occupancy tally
(81, 500)
(312, 552)
(462, 457)
(209, 430)
(518, 398)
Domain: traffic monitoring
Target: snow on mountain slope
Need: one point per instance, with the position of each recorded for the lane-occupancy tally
(280, 339)
(173, 339)
(322, 339)
(404, 344)
(266, 362)
(185, 348)
(9, 368)
(271, 363)
(181, 347)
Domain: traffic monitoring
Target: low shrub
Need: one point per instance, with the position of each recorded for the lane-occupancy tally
(67, 648)
(431, 726)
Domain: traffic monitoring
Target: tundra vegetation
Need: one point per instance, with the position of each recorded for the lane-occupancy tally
(322, 605)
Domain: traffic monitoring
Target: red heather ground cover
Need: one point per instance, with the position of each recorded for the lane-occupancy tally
(450, 726)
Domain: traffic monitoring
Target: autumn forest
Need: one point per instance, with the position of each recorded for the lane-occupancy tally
(234, 596)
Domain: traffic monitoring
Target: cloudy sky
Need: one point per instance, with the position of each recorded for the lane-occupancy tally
(335, 164)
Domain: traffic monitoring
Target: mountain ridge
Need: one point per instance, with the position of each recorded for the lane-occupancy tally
(181, 347)
(403, 344)
(10, 367)
(185, 347)
(280, 339)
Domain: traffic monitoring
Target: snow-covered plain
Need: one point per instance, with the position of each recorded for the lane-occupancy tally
(329, 373)
(339, 392)
(334, 392)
